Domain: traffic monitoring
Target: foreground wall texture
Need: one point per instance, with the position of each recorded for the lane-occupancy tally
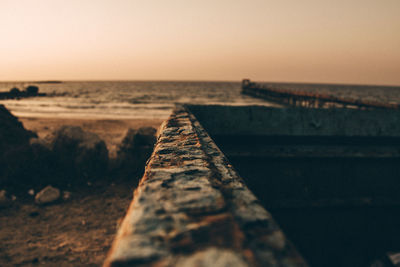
(192, 209)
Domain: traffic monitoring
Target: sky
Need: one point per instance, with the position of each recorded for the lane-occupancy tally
(353, 41)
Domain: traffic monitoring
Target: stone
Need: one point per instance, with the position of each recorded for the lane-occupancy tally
(5, 201)
(47, 195)
(66, 195)
(134, 150)
(15, 91)
(32, 89)
(144, 136)
(15, 151)
(213, 257)
(80, 155)
(44, 162)
(394, 258)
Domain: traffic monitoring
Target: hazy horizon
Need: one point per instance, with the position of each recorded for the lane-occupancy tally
(194, 81)
(343, 42)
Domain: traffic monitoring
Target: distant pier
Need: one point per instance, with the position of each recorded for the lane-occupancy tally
(309, 99)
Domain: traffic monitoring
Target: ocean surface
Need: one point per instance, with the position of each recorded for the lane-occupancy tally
(121, 99)
(156, 99)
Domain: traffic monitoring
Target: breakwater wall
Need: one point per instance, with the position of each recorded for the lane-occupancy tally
(309, 99)
(191, 208)
(328, 176)
(239, 185)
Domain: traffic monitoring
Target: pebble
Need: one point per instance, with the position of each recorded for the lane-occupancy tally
(66, 195)
(4, 200)
(47, 195)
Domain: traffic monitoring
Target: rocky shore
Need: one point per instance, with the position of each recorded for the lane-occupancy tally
(62, 176)
(16, 93)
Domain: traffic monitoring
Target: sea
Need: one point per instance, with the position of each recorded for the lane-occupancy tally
(156, 99)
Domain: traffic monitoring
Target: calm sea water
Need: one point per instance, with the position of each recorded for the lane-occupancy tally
(156, 99)
(122, 99)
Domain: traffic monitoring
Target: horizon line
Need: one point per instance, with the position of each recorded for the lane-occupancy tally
(194, 80)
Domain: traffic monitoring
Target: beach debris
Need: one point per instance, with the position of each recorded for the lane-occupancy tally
(80, 154)
(47, 195)
(4, 199)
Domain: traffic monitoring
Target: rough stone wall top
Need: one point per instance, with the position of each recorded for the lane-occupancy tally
(192, 209)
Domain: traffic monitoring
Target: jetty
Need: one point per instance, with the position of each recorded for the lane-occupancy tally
(15, 93)
(309, 99)
(264, 186)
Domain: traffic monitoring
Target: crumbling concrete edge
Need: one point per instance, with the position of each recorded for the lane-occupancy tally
(192, 209)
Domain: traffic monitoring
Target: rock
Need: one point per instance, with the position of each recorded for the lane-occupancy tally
(32, 89)
(134, 150)
(15, 91)
(15, 151)
(5, 201)
(142, 137)
(44, 163)
(47, 195)
(213, 257)
(79, 154)
(34, 214)
(66, 195)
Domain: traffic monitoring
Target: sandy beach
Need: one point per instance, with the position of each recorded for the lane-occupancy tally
(112, 131)
(77, 231)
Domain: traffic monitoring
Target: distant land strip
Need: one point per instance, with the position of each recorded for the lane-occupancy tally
(47, 82)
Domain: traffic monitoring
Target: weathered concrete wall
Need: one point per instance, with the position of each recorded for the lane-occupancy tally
(298, 155)
(328, 176)
(192, 209)
(268, 121)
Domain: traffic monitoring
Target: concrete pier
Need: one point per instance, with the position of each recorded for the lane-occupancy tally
(309, 99)
(192, 209)
(239, 185)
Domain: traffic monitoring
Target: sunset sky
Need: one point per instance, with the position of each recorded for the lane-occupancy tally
(353, 41)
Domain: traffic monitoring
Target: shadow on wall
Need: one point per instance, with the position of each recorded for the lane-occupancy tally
(329, 177)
